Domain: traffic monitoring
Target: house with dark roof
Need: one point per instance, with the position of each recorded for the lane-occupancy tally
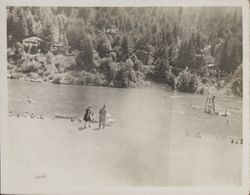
(31, 44)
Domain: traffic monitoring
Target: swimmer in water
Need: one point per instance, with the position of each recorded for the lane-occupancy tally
(28, 99)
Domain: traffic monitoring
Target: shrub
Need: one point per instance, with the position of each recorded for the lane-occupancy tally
(100, 79)
(160, 69)
(40, 73)
(29, 66)
(138, 65)
(49, 58)
(11, 67)
(237, 84)
(83, 78)
(71, 63)
(57, 79)
(90, 78)
(124, 76)
(140, 79)
(60, 63)
(237, 87)
(103, 46)
(148, 71)
(187, 82)
(202, 89)
(108, 68)
(33, 75)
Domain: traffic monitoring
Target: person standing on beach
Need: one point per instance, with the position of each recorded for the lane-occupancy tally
(102, 116)
(87, 117)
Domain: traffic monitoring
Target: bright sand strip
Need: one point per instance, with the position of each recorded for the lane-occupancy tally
(43, 153)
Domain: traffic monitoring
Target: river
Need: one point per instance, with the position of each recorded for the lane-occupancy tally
(156, 107)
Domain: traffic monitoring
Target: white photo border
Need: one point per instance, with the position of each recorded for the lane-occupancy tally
(240, 190)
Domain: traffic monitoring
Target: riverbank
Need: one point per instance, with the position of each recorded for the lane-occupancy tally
(123, 75)
(60, 153)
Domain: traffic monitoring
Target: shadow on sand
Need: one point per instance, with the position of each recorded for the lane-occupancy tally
(96, 129)
(84, 128)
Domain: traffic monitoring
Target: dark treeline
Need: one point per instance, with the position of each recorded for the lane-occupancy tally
(126, 46)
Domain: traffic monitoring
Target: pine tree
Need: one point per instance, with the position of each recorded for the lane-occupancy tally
(125, 50)
(224, 60)
(50, 31)
(21, 30)
(31, 26)
(87, 54)
(181, 59)
(103, 46)
(234, 59)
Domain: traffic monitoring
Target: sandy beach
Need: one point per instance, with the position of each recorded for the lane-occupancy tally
(55, 152)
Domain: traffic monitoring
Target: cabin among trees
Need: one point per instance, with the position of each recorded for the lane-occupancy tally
(211, 70)
(32, 44)
(58, 48)
(112, 31)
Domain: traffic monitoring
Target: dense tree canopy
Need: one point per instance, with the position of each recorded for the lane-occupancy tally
(160, 37)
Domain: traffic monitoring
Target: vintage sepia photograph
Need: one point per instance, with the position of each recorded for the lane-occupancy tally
(123, 96)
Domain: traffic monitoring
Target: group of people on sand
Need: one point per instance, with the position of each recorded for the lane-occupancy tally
(27, 115)
(89, 117)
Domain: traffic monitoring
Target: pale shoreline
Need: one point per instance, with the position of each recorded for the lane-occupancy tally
(54, 152)
(152, 84)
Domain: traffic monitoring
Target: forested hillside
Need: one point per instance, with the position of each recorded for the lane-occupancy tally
(126, 47)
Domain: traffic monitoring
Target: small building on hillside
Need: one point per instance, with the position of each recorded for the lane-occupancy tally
(210, 70)
(73, 52)
(32, 44)
(112, 31)
(58, 48)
